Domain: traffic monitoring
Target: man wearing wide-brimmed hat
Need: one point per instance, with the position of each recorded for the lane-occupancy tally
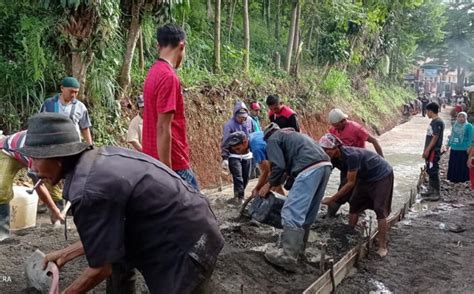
(131, 211)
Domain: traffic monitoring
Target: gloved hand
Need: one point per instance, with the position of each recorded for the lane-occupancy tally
(225, 164)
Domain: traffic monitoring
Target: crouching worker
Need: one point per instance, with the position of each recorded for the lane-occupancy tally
(11, 162)
(302, 158)
(370, 176)
(130, 210)
(239, 143)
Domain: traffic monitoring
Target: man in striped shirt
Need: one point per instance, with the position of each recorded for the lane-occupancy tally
(11, 162)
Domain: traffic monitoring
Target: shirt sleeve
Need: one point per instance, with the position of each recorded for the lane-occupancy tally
(84, 121)
(133, 131)
(293, 121)
(437, 127)
(353, 162)
(363, 134)
(277, 159)
(100, 222)
(167, 95)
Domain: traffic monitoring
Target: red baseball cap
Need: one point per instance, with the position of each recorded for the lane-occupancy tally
(255, 106)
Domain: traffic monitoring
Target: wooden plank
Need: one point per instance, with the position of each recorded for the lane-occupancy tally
(323, 284)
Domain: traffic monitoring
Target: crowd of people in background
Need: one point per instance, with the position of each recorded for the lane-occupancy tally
(146, 206)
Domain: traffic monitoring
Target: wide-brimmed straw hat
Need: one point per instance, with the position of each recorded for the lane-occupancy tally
(52, 135)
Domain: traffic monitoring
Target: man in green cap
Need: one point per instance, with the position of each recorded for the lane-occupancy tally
(143, 216)
(67, 104)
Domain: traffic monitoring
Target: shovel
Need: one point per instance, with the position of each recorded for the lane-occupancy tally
(43, 280)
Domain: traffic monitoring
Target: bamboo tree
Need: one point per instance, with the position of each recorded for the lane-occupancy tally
(217, 37)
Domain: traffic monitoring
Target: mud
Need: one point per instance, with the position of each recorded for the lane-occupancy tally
(431, 251)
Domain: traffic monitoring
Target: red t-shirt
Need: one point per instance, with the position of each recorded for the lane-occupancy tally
(353, 134)
(162, 94)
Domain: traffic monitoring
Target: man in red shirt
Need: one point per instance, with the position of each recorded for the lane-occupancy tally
(164, 122)
(351, 134)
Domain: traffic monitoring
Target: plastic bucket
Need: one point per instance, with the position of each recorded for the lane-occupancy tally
(23, 209)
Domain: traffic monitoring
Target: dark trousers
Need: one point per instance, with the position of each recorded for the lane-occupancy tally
(240, 170)
(122, 280)
(432, 169)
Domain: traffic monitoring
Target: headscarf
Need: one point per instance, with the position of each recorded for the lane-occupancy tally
(329, 141)
(459, 128)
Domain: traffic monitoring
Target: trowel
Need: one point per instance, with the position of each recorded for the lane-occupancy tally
(43, 280)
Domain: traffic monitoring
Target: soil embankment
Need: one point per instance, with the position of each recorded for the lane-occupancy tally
(208, 108)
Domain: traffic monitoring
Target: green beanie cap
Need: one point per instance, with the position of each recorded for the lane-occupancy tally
(70, 82)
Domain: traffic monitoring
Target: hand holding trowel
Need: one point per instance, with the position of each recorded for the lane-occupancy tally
(45, 280)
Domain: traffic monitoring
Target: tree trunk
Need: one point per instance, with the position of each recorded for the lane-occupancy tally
(246, 36)
(267, 18)
(277, 22)
(296, 43)
(141, 55)
(291, 36)
(209, 9)
(310, 35)
(133, 35)
(80, 64)
(296, 39)
(277, 61)
(230, 16)
(217, 37)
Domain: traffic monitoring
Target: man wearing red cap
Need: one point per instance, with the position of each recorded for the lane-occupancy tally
(255, 115)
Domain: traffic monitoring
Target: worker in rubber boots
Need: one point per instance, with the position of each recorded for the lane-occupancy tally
(130, 210)
(432, 152)
(11, 162)
(369, 176)
(300, 157)
(240, 143)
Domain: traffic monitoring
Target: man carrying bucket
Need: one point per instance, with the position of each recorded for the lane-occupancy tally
(11, 162)
(300, 157)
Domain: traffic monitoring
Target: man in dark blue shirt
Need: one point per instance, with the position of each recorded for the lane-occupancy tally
(130, 210)
(432, 151)
(370, 176)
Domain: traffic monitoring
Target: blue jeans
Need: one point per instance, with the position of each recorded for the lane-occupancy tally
(304, 198)
(189, 177)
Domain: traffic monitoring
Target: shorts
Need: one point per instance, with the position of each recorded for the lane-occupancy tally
(376, 196)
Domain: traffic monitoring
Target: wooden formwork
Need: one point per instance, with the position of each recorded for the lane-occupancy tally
(337, 272)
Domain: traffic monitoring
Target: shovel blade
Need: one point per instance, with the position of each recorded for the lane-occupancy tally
(36, 277)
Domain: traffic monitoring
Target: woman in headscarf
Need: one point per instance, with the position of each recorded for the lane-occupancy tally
(459, 143)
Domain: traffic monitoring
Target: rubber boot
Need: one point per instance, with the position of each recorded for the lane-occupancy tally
(433, 196)
(292, 244)
(4, 221)
(333, 208)
(428, 192)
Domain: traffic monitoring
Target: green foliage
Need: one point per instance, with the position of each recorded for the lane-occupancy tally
(336, 82)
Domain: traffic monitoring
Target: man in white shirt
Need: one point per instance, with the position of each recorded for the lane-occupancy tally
(134, 134)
